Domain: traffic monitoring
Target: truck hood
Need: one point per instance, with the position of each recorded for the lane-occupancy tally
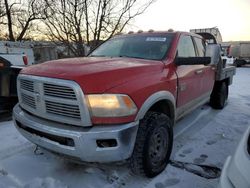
(96, 74)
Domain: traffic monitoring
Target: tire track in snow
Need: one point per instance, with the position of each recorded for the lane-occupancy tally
(4, 154)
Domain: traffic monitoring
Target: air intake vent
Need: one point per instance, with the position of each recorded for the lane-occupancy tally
(59, 91)
(71, 111)
(28, 100)
(27, 85)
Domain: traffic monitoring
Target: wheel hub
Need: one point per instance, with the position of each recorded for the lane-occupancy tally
(158, 146)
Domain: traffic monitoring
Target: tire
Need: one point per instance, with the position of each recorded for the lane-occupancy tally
(219, 95)
(153, 145)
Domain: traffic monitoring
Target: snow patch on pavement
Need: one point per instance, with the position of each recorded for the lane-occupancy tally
(45, 183)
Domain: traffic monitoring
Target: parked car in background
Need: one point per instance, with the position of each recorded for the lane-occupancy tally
(13, 57)
(241, 53)
(236, 170)
(13, 51)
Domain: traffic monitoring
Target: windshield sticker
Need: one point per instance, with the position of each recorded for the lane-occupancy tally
(156, 39)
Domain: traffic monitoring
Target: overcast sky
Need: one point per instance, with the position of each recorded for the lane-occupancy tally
(232, 17)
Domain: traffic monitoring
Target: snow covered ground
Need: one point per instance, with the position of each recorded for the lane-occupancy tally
(205, 137)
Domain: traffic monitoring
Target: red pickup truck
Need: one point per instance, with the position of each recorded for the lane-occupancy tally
(122, 101)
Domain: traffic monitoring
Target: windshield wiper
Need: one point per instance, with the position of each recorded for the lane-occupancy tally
(131, 56)
(98, 56)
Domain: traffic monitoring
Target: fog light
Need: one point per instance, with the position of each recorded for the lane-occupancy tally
(106, 143)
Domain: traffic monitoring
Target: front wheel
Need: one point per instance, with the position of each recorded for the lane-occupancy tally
(153, 145)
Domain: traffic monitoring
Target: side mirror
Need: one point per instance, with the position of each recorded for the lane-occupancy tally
(193, 60)
(213, 51)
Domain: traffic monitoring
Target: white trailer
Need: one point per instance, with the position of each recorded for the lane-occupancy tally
(241, 52)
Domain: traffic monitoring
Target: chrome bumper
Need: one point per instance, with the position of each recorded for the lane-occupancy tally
(77, 142)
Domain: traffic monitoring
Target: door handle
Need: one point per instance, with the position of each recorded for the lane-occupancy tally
(199, 72)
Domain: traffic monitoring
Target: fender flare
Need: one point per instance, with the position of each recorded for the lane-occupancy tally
(154, 98)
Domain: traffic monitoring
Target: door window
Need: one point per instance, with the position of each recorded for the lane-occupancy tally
(186, 47)
(200, 44)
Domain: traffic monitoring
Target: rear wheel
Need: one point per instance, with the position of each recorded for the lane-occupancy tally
(153, 145)
(219, 95)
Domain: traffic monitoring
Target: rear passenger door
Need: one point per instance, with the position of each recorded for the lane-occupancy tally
(207, 72)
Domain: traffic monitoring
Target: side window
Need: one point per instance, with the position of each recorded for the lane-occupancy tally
(201, 46)
(186, 47)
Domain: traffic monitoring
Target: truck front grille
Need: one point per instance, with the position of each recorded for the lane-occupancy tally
(59, 91)
(28, 100)
(27, 85)
(71, 111)
(53, 99)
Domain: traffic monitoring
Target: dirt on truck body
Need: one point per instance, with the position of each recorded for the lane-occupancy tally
(122, 101)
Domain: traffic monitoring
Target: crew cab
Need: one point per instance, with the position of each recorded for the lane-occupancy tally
(122, 101)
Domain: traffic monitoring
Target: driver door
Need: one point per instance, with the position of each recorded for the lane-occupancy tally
(189, 77)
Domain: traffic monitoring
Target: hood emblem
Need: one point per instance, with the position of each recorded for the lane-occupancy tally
(37, 97)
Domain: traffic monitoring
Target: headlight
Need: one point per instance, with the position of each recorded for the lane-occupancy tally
(111, 105)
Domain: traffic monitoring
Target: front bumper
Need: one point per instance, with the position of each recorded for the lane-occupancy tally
(77, 142)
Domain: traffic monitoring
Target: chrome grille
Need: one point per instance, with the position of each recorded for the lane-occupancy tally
(28, 100)
(71, 111)
(59, 91)
(27, 85)
(54, 99)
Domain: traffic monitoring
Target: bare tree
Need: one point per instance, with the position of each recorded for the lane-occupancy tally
(112, 16)
(2, 12)
(20, 14)
(75, 22)
(64, 23)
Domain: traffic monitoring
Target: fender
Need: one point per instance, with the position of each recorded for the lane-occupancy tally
(154, 98)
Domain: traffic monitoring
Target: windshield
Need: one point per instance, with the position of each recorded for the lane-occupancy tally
(152, 47)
